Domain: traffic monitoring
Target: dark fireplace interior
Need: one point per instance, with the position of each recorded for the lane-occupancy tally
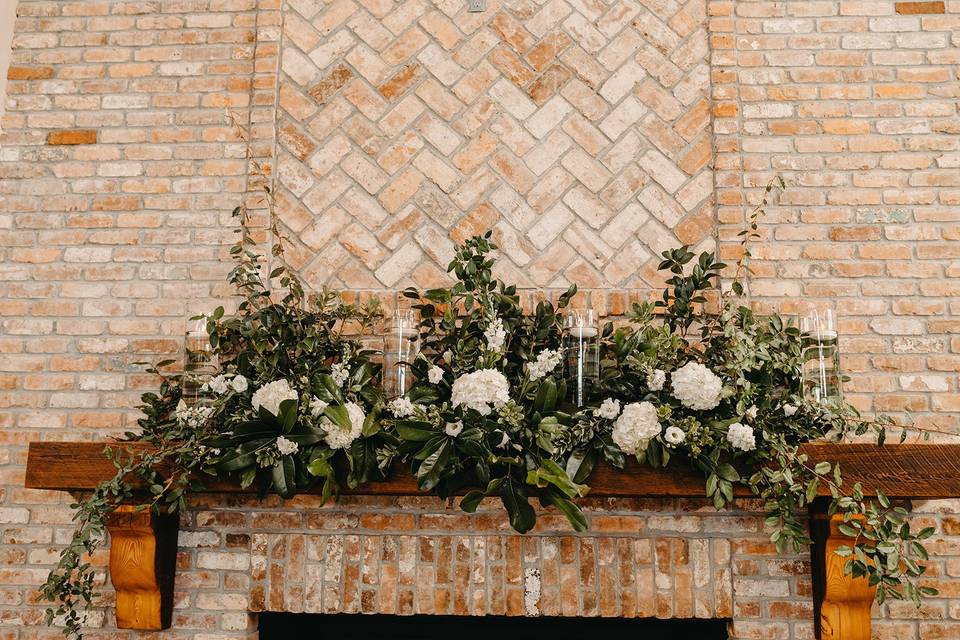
(282, 626)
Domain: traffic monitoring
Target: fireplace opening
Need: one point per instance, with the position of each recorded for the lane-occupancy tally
(282, 626)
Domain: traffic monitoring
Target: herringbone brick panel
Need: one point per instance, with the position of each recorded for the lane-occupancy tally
(578, 130)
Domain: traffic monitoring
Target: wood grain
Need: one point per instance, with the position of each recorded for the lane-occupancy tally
(899, 470)
(143, 553)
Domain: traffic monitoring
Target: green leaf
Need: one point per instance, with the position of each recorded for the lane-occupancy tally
(727, 472)
(283, 473)
(573, 513)
(822, 468)
(413, 431)
(514, 498)
(288, 415)
(471, 500)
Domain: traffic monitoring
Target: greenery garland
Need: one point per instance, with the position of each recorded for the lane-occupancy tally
(298, 405)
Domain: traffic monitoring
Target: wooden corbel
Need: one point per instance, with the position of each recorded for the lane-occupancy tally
(143, 559)
(841, 603)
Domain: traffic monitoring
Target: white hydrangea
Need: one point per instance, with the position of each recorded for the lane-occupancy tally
(635, 426)
(270, 395)
(239, 383)
(547, 360)
(789, 409)
(340, 372)
(740, 436)
(674, 435)
(287, 447)
(401, 407)
(482, 391)
(218, 384)
(656, 379)
(317, 406)
(496, 335)
(609, 409)
(696, 387)
(435, 374)
(453, 429)
(339, 438)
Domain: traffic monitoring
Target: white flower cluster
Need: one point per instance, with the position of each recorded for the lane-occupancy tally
(317, 406)
(789, 409)
(547, 360)
(402, 407)
(435, 374)
(195, 416)
(287, 447)
(482, 391)
(635, 426)
(696, 387)
(340, 373)
(656, 379)
(608, 409)
(270, 395)
(496, 335)
(221, 384)
(339, 438)
(740, 436)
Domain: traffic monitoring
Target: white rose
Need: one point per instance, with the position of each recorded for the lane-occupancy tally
(547, 360)
(218, 384)
(435, 374)
(674, 435)
(740, 436)
(453, 429)
(656, 379)
(269, 396)
(609, 409)
(635, 426)
(482, 391)
(339, 438)
(287, 447)
(789, 409)
(696, 387)
(239, 383)
(752, 412)
(317, 406)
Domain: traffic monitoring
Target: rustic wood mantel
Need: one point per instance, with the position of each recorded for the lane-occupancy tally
(142, 558)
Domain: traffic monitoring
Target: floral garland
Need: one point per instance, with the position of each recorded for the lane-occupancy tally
(298, 405)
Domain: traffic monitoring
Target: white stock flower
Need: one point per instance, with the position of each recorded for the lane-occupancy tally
(656, 379)
(453, 429)
(789, 409)
(482, 391)
(496, 335)
(339, 438)
(317, 406)
(435, 374)
(740, 436)
(287, 447)
(674, 435)
(635, 426)
(218, 384)
(608, 409)
(696, 387)
(340, 372)
(752, 412)
(239, 383)
(270, 395)
(547, 360)
(401, 407)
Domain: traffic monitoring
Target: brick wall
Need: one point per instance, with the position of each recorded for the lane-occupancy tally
(579, 131)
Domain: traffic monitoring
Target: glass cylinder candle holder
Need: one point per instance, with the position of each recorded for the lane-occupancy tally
(821, 356)
(199, 362)
(581, 349)
(401, 345)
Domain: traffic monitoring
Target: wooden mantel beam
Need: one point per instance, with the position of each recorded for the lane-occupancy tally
(143, 553)
(899, 470)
